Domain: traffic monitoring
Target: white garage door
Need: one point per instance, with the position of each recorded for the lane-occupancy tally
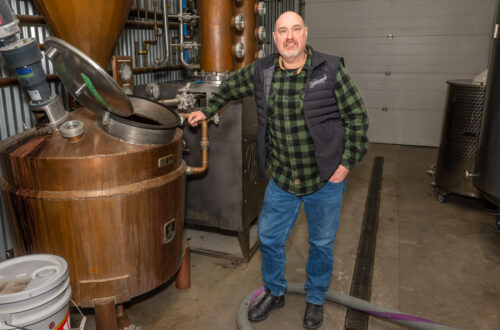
(400, 53)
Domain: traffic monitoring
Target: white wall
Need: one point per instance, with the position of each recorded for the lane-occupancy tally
(421, 43)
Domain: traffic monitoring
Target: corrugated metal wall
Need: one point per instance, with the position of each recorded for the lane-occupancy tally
(14, 108)
(274, 9)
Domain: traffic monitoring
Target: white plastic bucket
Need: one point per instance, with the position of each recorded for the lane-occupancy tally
(35, 293)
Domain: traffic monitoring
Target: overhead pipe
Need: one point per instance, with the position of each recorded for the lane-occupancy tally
(39, 19)
(164, 61)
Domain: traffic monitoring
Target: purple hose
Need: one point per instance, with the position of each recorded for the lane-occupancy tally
(254, 296)
(399, 317)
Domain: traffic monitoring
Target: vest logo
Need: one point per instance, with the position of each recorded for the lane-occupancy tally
(316, 82)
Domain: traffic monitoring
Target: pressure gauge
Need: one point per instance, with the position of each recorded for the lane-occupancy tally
(153, 90)
(125, 72)
(127, 89)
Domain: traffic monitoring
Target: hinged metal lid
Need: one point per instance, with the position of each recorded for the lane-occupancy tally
(86, 80)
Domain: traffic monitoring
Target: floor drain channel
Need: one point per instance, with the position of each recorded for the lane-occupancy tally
(363, 269)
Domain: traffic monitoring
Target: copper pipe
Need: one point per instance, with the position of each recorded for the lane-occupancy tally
(136, 52)
(146, 43)
(147, 25)
(145, 10)
(33, 19)
(205, 143)
(105, 313)
(154, 68)
(138, 5)
(121, 315)
(38, 19)
(10, 81)
(183, 277)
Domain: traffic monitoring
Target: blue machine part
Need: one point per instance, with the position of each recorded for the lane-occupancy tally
(184, 4)
(185, 29)
(25, 72)
(186, 56)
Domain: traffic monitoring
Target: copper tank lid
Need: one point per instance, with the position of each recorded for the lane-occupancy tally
(91, 26)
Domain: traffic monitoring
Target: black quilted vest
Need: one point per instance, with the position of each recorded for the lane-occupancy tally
(321, 111)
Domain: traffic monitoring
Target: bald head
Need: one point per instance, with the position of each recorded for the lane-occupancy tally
(290, 35)
(288, 16)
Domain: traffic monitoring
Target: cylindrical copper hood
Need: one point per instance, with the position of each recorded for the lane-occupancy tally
(216, 35)
(91, 26)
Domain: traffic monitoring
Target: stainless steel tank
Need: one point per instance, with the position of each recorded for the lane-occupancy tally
(459, 139)
(488, 161)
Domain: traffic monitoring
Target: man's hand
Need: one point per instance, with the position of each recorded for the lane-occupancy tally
(339, 174)
(195, 117)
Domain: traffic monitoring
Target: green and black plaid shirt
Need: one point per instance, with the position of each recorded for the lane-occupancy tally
(291, 149)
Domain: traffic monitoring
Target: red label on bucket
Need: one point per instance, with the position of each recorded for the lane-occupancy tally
(64, 325)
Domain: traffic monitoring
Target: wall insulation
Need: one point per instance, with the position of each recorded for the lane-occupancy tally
(15, 114)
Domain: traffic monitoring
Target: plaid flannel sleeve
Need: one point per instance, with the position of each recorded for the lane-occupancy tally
(238, 85)
(353, 113)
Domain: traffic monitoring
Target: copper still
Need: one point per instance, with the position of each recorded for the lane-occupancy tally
(106, 206)
(216, 35)
(110, 198)
(82, 23)
(247, 10)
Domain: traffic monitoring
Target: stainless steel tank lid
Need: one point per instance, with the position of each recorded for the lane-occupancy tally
(86, 80)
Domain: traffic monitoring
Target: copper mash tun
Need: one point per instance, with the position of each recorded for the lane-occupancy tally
(104, 186)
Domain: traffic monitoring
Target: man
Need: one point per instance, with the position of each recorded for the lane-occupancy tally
(311, 131)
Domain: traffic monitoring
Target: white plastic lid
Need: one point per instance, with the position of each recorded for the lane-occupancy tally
(29, 276)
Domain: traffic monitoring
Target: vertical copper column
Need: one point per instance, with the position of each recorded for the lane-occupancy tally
(216, 35)
(247, 36)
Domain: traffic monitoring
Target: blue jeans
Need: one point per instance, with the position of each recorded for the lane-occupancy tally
(277, 218)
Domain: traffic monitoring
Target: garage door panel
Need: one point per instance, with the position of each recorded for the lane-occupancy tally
(381, 46)
(401, 53)
(405, 127)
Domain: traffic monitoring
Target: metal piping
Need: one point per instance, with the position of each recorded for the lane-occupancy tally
(190, 170)
(38, 19)
(171, 102)
(164, 61)
(187, 66)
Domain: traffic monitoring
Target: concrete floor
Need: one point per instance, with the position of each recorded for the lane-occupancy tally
(433, 260)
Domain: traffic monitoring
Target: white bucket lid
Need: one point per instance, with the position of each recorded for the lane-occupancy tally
(29, 276)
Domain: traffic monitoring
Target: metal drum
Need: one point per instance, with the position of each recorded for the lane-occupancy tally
(459, 138)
